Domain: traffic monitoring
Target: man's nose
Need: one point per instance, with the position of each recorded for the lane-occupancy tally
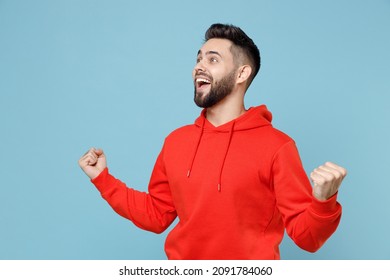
(199, 67)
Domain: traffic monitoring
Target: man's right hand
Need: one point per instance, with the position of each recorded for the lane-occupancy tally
(93, 162)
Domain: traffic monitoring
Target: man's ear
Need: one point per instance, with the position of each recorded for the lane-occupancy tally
(243, 73)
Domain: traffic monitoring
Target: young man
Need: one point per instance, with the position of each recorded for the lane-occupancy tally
(235, 182)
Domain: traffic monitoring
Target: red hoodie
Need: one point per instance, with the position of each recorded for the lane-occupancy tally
(234, 188)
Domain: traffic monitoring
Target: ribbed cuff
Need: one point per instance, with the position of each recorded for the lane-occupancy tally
(103, 180)
(326, 208)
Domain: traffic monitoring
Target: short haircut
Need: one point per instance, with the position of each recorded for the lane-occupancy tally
(242, 44)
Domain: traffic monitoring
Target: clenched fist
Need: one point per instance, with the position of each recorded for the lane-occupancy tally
(327, 179)
(93, 162)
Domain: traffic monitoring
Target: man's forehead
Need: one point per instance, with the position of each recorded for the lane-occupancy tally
(221, 46)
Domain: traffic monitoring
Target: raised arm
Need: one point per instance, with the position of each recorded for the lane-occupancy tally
(152, 210)
(310, 214)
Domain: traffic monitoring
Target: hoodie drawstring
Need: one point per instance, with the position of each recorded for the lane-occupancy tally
(196, 148)
(224, 158)
(191, 163)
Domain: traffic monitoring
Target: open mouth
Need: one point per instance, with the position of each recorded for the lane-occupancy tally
(202, 83)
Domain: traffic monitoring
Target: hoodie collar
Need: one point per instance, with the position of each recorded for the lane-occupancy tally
(254, 117)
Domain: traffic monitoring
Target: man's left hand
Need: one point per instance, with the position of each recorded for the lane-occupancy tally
(327, 179)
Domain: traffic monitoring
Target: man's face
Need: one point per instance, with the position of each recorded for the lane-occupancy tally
(214, 73)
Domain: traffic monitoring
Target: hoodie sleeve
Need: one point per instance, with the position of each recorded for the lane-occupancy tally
(153, 210)
(308, 221)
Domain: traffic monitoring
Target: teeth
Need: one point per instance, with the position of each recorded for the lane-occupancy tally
(202, 80)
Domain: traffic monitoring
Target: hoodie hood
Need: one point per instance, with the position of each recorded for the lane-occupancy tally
(253, 118)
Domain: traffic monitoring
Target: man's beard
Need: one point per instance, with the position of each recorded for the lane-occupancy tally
(218, 91)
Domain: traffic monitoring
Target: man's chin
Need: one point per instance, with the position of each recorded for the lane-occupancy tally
(200, 97)
(204, 102)
(200, 102)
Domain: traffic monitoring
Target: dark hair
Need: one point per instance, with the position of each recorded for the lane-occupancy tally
(240, 40)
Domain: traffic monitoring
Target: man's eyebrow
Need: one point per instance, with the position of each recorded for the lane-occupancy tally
(209, 52)
(213, 52)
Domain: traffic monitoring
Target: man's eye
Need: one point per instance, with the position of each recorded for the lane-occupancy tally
(198, 59)
(213, 59)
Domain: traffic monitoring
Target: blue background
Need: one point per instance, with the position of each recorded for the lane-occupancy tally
(117, 75)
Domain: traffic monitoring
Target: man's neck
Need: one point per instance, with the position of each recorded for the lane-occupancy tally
(224, 112)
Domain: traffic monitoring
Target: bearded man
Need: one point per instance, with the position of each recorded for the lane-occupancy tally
(233, 180)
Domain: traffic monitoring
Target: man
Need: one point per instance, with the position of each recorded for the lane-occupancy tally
(233, 180)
